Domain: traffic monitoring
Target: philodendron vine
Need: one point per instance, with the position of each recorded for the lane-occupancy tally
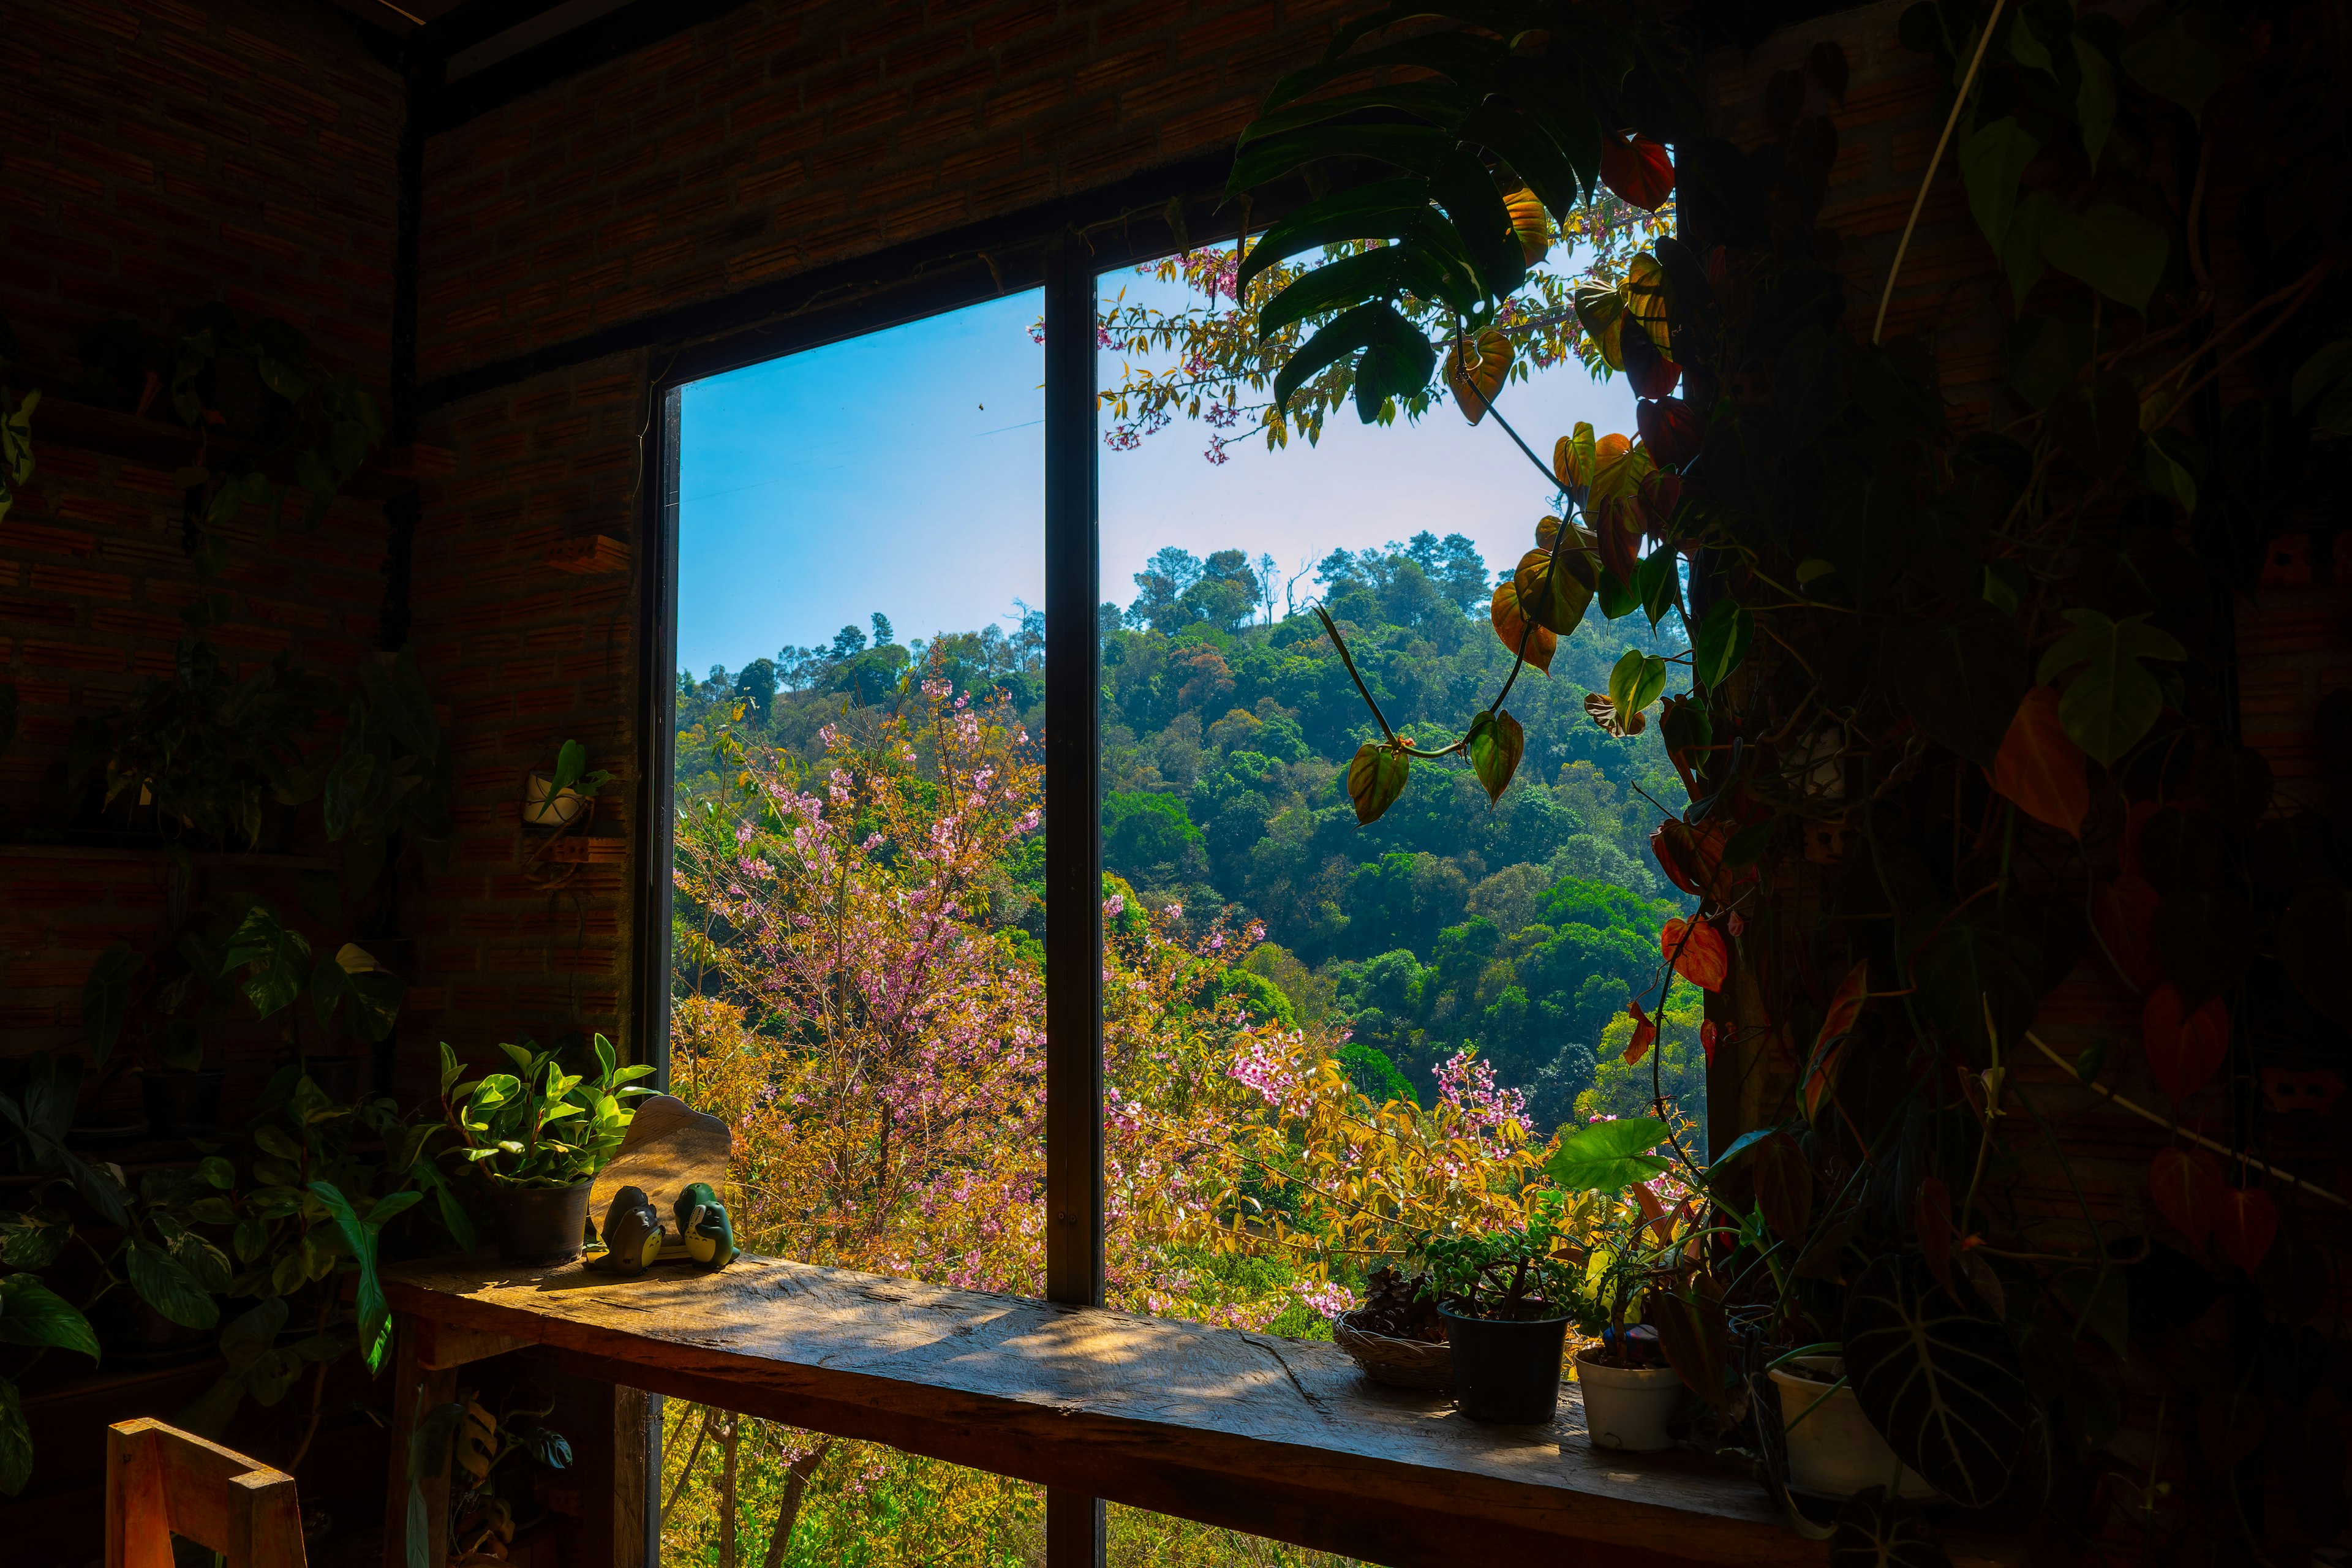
(1956, 715)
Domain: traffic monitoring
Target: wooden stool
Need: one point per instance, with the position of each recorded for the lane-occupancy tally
(162, 1481)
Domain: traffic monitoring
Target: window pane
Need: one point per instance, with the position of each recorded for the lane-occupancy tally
(1284, 980)
(857, 980)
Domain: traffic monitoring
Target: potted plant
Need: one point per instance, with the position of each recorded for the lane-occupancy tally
(1833, 1450)
(538, 1135)
(559, 798)
(1506, 1298)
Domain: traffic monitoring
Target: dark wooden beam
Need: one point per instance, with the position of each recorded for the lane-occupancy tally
(581, 48)
(1277, 1437)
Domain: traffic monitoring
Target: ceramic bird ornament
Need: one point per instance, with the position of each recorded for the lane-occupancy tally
(632, 1233)
(703, 1225)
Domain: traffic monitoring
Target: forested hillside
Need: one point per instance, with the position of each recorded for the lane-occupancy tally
(1519, 928)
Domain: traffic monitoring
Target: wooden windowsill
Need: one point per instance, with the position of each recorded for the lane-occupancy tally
(1279, 1437)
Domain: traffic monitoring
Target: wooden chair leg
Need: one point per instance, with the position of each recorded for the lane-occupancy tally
(417, 1389)
(162, 1482)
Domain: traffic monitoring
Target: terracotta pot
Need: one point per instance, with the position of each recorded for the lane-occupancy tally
(1626, 1408)
(1833, 1450)
(1506, 1369)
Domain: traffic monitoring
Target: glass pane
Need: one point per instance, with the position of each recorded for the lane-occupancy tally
(1312, 1020)
(857, 980)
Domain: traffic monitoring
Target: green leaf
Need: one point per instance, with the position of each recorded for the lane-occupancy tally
(1991, 159)
(2095, 99)
(277, 960)
(1351, 280)
(374, 1314)
(216, 1172)
(2189, 56)
(1384, 209)
(2110, 248)
(16, 1444)
(1375, 778)
(2111, 700)
(2171, 465)
(1496, 744)
(1344, 334)
(163, 1285)
(1609, 1156)
(1721, 644)
(1418, 148)
(1944, 1388)
(33, 1315)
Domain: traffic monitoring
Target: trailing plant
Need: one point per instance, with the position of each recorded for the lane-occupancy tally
(319, 427)
(1955, 709)
(539, 1126)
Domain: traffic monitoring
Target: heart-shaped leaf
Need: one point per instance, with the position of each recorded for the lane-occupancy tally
(1375, 778)
(1943, 1387)
(1637, 169)
(1475, 369)
(1495, 745)
(1695, 1338)
(2112, 699)
(1645, 1034)
(1721, 643)
(2040, 768)
(1518, 633)
(1609, 1156)
(1555, 589)
(1672, 431)
(2245, 1227)
(2185, 1048)
(1697, 952)
(2188, 1188)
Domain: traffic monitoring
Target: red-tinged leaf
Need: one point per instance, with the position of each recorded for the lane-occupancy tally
(1645, 1034)
(1818, 1081)
(1529, 222)
(1671, 843)
(1670, 428)
(2189, 1190)
(1706, 1038)
(1520, 634)
(1637, 169)
(2040, 769)
(1650, 372)
(2245, 1227)
(1618, 532)
(2123, 916)
(1474, 371)
(1662, 497)
(1846, 1005)
(2184, 1049)
(1931, 1212)
(1697, 952)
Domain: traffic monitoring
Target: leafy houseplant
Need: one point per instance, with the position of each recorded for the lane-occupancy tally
(1507, 1299)
(1637, 1245)
(557, 799)
(537, 1135)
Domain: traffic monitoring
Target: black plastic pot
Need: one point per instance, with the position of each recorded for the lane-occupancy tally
(1506, 1369)
(540, 1226)
(182, 1104)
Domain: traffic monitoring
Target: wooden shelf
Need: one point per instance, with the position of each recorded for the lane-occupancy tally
(1278, 1438)
(165, 443)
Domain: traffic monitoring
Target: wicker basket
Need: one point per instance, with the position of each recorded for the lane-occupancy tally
(1401, 1364)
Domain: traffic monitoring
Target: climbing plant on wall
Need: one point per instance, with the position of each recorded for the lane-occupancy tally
(1956, 714)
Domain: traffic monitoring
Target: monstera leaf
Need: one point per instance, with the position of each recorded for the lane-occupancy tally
(1942, 1385)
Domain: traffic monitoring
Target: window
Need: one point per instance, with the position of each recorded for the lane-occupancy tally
(865, 812)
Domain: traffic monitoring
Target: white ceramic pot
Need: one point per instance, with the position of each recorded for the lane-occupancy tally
(1835, 1452)
(1626, 1407)
(542, 809)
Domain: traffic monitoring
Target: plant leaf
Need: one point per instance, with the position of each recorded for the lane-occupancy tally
(33, 1314)
(1875, 1531)
(1496, 744)
(168, 1288)
(1944, 1387)
(2187, 1186)
(2040, 767)
(1697, 952)
(15, 1442)
(2185, 1048)
(1721, 644)
(1375, 778)
(1519, 633)
(1609, 1156)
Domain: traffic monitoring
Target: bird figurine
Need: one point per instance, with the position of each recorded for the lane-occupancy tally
(703, 1225)
(632, 1233)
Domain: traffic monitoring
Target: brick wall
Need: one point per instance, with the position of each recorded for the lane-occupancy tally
(156, 155)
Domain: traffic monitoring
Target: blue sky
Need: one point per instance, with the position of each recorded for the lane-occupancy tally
(903, 472)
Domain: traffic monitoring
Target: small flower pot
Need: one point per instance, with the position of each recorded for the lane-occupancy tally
(1506, 1369)
(1835, 1451)
(1626, 1408)
(540, 1227)
(182, 1104)
(544, 805)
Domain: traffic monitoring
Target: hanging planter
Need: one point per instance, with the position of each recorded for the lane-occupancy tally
(546, 804)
